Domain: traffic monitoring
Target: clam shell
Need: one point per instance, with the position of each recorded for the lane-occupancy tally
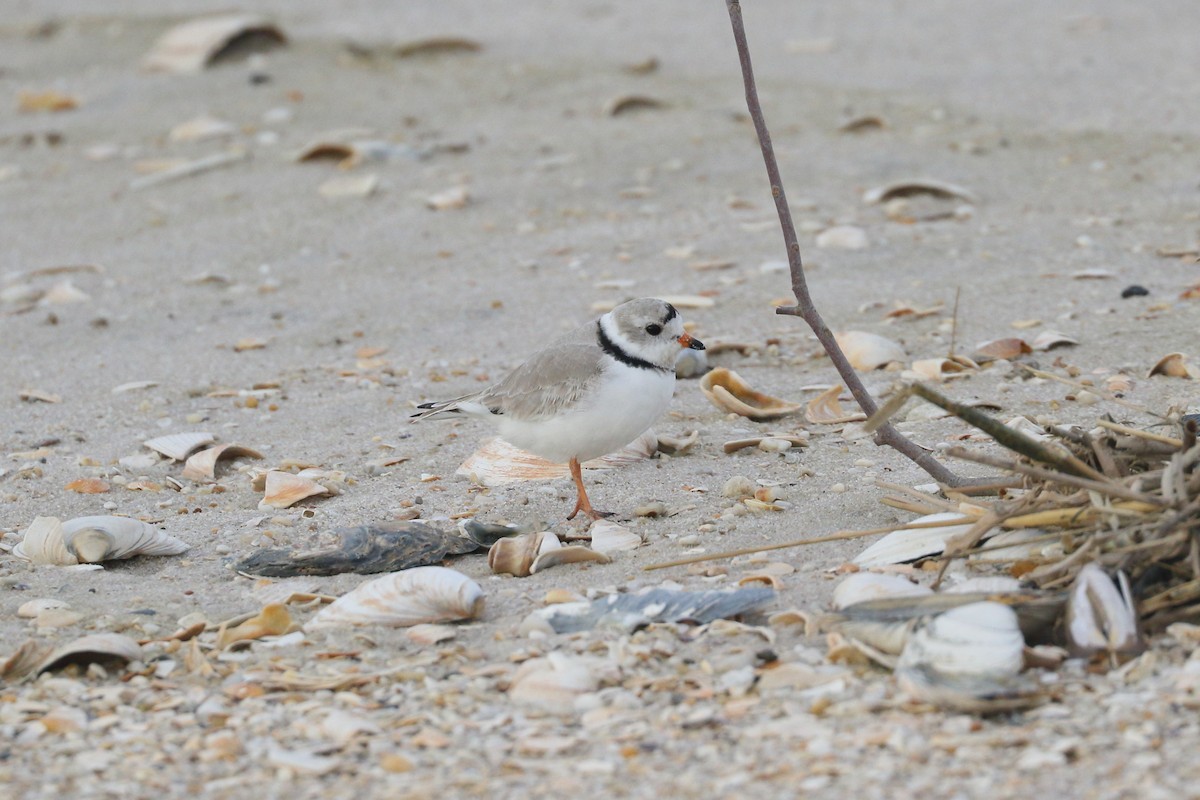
(515, 555)
(1048, 340)
(98, 647)
(980, 640)
(1100, 617)
(552, 683)
(497, 462)
(179, 446)
(203, 465)
(824, 409)
(576, 554)
(867, 351)
(861, 587)
(283, 489)
(406, 598)
(927, 186)
(609, 537)
(191, 46)
(899, 547)
(728, 392)
(90, 540)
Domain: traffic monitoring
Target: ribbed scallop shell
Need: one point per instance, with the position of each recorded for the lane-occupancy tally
(406, 598)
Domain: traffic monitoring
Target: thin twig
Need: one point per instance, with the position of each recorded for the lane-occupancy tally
(805, 308)
(832, 537)
(1140, 434)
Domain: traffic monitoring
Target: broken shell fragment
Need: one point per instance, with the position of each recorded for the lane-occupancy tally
(825, 409)
(283, 489)
(861, 587)
(678, 445)
(917, 186)
(436, 45)
(936, 369)
(90, 540)
(497, 462)
(624, 104)
(1007, 349)
(191, 46)
(771, 443)
(203, 465)
(1173, 365)
(868, 351)
(452, 198)
(406, 598)
(273, 620)
(514, 555)
(843, 237)
(901, 546)
(1048, 340)
(576, 554)
(609, 537)
(349, 186)
(1100, 617)
(201, 128)
(179, 446)
(552, 683)
(726, 390)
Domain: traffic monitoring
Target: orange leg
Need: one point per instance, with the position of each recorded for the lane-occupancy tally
(582, 503)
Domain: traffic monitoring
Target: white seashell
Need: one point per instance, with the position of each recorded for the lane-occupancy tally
(341, 186)
(609, 537)
(179, 446)
(901, 546)
(867, 351)
(576, 554)
(193, 45)
(990, 584)
(497, 462)
(691, 363)
(203, 465)
(201, 128)
(406, 598)
(980, 640)
(98, 647)
(936, 369)
(283, 489)
(1029, 428)
(1017, 545)
(427, 634)
(843, 237)
(861, 587)
(552, 683)
(63, 293)
(678, 445)
(927, 186)
(31, 608)
(452, 198)
(90, 540)
(514, 555)
(774, 442)
(1048, 340)
(729, 392)
(1100, 617)
(738, 487)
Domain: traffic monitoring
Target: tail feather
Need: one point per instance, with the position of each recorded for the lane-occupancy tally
(438, 407)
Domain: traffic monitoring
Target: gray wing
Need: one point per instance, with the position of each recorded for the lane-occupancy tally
(550, 382)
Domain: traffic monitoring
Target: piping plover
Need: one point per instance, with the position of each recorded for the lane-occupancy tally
(588, 393)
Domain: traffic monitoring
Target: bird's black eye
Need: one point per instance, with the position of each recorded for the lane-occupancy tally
(654, 329)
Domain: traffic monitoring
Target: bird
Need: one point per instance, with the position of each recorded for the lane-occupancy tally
(588, 393)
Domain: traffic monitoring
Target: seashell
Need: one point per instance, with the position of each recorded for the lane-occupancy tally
(1017, 545)
(824, 409)
(843, 237)
(1100, 617)
(88, 486)
(576, 554)
(99, 648)
(692, 301)
(1007, 349)
(349, 186)
(967, 694)
(552, 683)
(623, 104)
(738, 487)
(90, 540)
(980, 640)
(690, 363)
(1029, 428)
(497, 462)
(901, 546)
(63, 293)
(201, 128)
(728, 392)
(774, 443)
(406, 598)
(193, 45)
(868, 351)
(678, 445)
(283, 489)
(448, 199)
(1048, 340)
(1173, 365)
(990, 584)
(273, 620)
(427, 634)
(861, 124)
(179, 446)
(926, 186)
(436, 45)
(861, 587)
(30, 609)
(515, 555)
(936, 369)
(202, 466)
(761, 579)
(609, 537)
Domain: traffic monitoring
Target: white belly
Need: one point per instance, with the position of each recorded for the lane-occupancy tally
(624, 405)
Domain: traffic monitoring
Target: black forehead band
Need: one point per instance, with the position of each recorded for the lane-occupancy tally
(671, 314)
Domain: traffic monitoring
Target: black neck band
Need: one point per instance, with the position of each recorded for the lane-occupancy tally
(608, 346)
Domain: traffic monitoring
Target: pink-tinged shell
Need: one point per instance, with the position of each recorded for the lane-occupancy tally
(497, 462)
